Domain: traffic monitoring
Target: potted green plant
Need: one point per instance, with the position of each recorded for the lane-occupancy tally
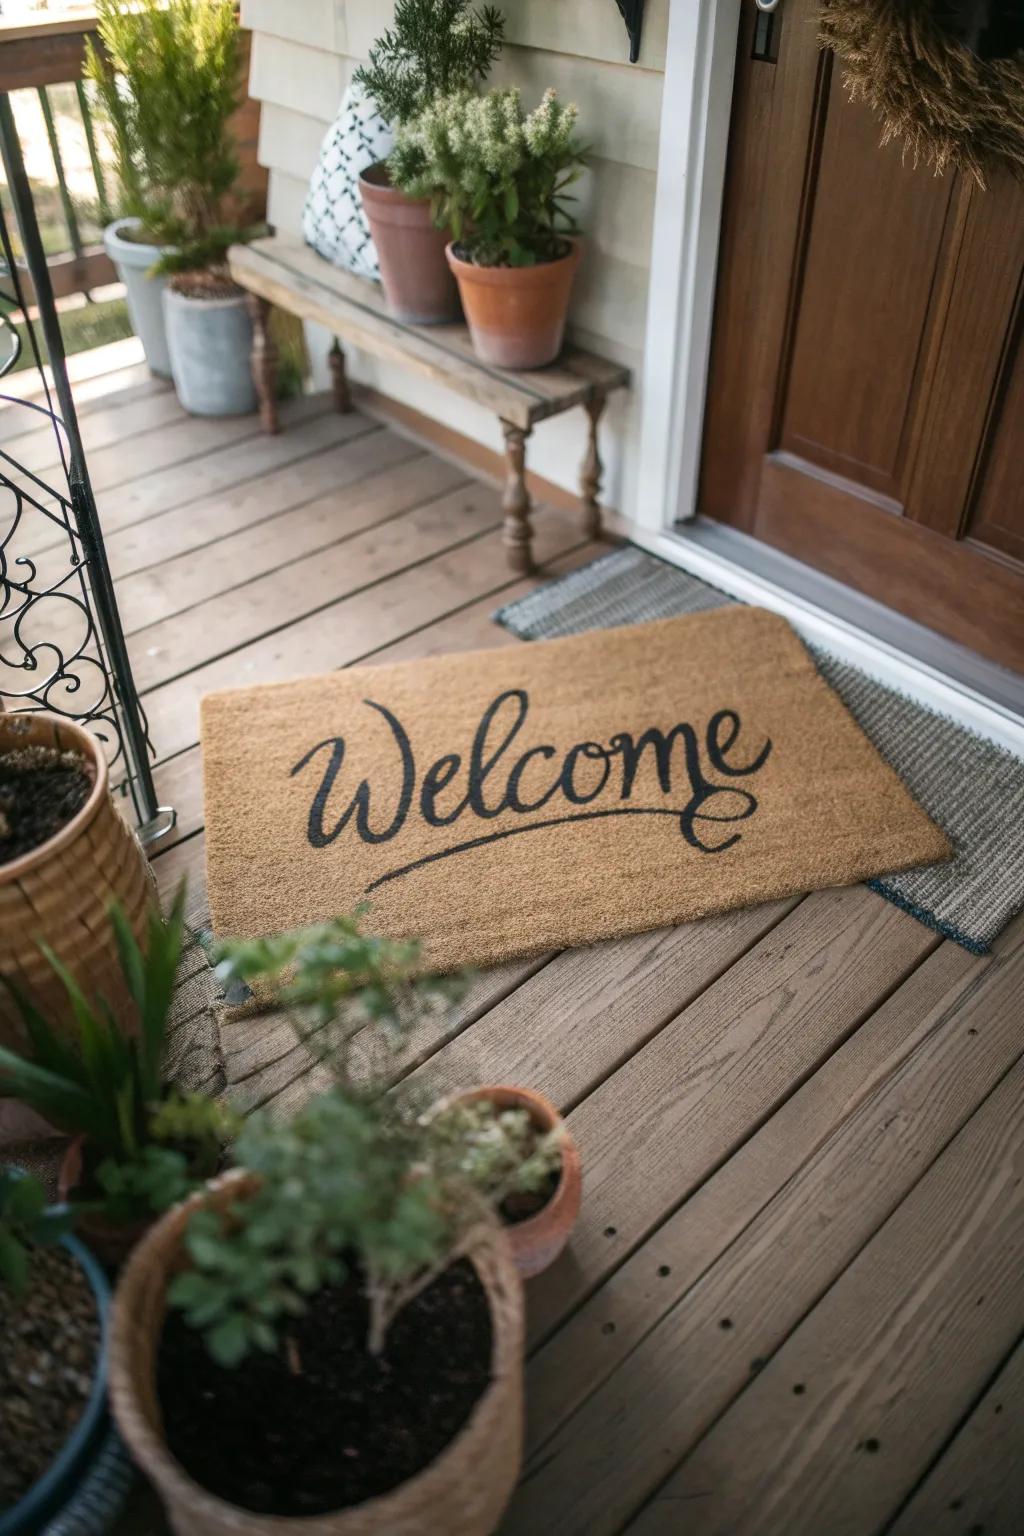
(513, 1146)
(137, 1146)
(65, 854)
(53, 1308)
(433, 48)
(508, 1143)
(499, 180)
(167, 76)
(329, 1340)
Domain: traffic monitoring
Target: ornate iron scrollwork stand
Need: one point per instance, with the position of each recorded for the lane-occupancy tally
(62, 647)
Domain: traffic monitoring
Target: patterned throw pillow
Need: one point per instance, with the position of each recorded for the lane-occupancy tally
(333, 221)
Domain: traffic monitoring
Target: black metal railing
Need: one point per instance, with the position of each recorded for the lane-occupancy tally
(62, 647)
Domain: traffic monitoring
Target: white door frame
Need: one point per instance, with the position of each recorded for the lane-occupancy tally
(695, 113)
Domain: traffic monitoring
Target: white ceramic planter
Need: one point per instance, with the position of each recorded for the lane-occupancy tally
(210, 341)
(145, 294)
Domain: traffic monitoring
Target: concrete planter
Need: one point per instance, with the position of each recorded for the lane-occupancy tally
(210, 341)
(133, 259)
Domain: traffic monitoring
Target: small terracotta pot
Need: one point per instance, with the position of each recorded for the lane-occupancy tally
(111, 1244)
(59, 893)
(461, 1493)
(516, 315)
(418, 286)
(537, 1241)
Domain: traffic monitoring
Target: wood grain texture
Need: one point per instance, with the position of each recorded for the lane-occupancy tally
(977, 1482)
(655, 1130)
(928, 1078)
(898, 1351)
(291, 275)
(597, 1339)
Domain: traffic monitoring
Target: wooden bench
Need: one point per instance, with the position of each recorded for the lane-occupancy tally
(284, 272)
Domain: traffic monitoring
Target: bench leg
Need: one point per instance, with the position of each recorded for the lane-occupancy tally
(517, 534)
(339, 379)
(590, 474)
(264, 363)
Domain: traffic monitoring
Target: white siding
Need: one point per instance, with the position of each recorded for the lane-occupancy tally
(303, 57)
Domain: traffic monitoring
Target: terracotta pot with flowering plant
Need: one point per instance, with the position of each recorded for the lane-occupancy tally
(432, 48)
(500, 179)
(329, 1340)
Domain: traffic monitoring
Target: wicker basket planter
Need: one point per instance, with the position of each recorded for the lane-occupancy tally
(58, 893)
(537, 1241)
(462, 1493)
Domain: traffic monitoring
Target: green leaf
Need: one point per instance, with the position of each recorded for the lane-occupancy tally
(49, 1049)
(13, 1263)
(228, 1342)
(63, 1103)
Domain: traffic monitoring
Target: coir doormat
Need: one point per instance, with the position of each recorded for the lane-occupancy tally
(511, 801)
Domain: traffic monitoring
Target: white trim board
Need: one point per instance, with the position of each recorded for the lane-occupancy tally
(695, 116)
(892, 666)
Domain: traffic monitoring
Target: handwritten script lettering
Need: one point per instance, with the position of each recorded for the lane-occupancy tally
(493, 781)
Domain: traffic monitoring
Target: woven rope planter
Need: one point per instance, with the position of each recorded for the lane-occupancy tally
(462, 1493)
(949, 108)
(58, 893)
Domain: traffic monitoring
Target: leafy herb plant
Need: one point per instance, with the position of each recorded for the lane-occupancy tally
(433, 48)
(147, 1145)
(371, 1181)
(499, 179)
(335, 979)
(167, 79)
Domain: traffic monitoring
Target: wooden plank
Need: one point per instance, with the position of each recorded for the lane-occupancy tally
(230, 622)
(129, 415)
(580, 1018)
(192, 466)
(891, 1360)
(179, 780)
(850, 1146)
(303, 465)
(586, 1350)
(381, 611)
(380, 476)
(656, 1129)
(978, 1482)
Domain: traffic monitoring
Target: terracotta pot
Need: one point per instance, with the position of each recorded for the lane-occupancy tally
(462, 1493)
(516, 315)
(537, 1241)
(418, 286)
(111, 1244)
(59, 893)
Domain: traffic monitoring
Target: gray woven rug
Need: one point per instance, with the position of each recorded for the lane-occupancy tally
(971, 787)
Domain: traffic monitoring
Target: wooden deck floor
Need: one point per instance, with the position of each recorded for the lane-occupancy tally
(794, 1302)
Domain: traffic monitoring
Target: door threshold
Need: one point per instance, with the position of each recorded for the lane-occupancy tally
(904, 655)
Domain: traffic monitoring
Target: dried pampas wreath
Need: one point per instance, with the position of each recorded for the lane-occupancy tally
(919, 64)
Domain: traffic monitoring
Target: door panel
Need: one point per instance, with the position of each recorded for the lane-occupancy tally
(839, 410)
(866, 392)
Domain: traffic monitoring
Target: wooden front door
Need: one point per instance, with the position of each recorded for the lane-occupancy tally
(866, 394)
